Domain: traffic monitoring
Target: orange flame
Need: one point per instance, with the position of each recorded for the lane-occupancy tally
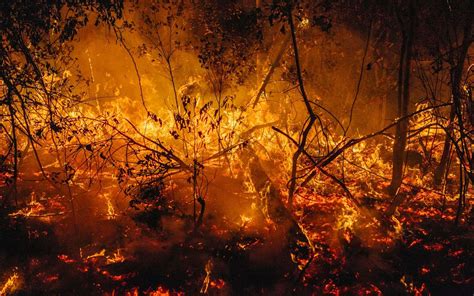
(11, 285)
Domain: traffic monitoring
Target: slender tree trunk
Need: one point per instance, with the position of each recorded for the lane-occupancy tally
(403, 99)
(443, 164)
(276, 61)
(457, 67)
(312, 116)
(15, 147)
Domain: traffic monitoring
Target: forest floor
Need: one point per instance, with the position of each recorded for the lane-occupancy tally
(238, 250)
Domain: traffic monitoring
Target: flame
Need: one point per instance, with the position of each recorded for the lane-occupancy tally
(110, 208)
(304, 23)
(207, 278)
(11, 285)
(348, 217)
(245, 220)
(33, 208)
(101, 253)
(43, 208)
(160, 291)
(116, 258)
(135, 292)
(276, 149)
(412, 288)
(397, 227)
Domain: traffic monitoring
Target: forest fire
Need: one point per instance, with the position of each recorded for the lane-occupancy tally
(280, 147)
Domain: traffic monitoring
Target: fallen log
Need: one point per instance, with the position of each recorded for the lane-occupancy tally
(298, 245)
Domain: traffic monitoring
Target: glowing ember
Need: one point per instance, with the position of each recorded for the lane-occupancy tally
(66, 259)
(218, 284)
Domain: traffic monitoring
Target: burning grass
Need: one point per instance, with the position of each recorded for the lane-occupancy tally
(204, 218)
(239, 248)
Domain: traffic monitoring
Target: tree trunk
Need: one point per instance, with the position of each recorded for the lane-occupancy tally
(403, 99)
(14, 190)
(440, 171)
(457, 67)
